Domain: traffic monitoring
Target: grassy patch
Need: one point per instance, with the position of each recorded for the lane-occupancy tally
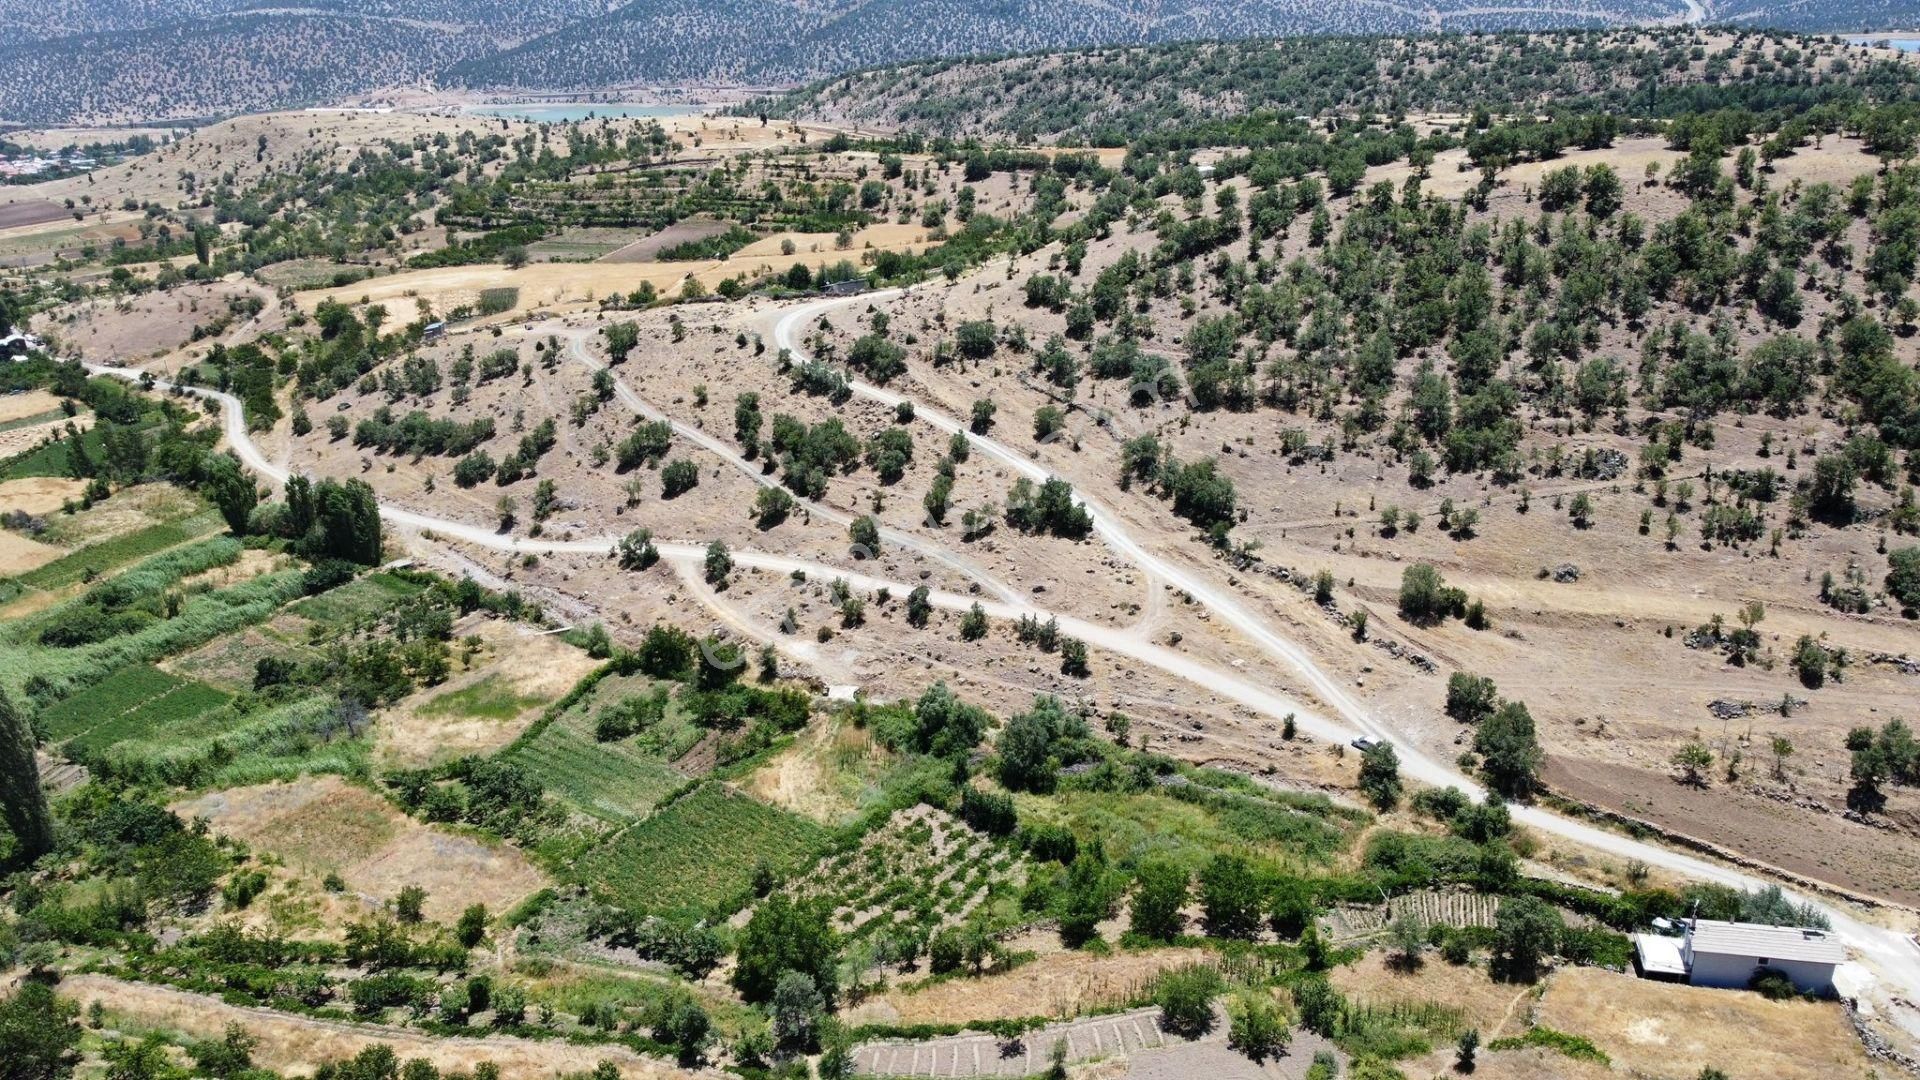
(698, 854)
(496, 300)
(1190, 827)
(492, 698)
(203, 618)
(1574, 1046)
(358, 600)
(50, 459)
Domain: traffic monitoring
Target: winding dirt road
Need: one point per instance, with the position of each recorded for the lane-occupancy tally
(1890, 961)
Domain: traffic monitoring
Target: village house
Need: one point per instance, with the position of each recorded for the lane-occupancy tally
(1729, 954)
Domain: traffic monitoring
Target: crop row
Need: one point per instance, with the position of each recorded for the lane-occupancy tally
(700, 852)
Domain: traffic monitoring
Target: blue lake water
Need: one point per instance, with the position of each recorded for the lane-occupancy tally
(581, 110)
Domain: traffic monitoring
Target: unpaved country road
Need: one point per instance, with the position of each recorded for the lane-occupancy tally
(1890, 958)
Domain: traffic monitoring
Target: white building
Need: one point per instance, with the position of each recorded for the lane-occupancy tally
(1730, 954)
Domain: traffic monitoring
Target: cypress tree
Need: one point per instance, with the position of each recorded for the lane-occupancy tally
(22, 803)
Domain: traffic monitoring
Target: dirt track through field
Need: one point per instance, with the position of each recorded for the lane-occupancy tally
(1889, 955)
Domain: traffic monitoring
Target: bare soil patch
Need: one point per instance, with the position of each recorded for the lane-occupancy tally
(39, 494)
(19, 554)
(1884, 862)
(20, 406)
(289, 1043)
(648, 248)
(323, 825)
(823, 773)
(22, 439)
(1666, 1030)
(30, 213)
(144, 326)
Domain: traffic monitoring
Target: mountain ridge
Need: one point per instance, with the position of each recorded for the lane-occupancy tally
(68, 61)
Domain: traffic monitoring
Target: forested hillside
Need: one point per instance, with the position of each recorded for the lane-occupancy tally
(1110, 96)
(66, 61)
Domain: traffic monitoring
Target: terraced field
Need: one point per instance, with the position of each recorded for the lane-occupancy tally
(130, 703)
(357, 600)
(96, 559)
(699, 853)
(923, 870)
(614, 782)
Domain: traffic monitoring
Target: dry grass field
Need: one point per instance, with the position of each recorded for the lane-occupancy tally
(1055, 984)
(514, 674)
(324, 825)
(1668, 1032)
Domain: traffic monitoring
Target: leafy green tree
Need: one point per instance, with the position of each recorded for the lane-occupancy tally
(1027, 746)
(1903, 577)
(798, 1010)
(230, 489)
(1160, 891)
(1466, 1050)
(1185, 996)
(945, 726)
(1290, 906)
(973, 625)
(1425, 596)
(680, 1022)
(621, 338)
(472, 927)
(785, 935)
(38, 1034)
(718, 564)
(1256, 1027)
(1693, 760)
(1088, 897)
(1231, 897)
(678, 477)
(1380, 775)
(1526, 929)
(1470, 698)
(1509, 749)
(919, 606)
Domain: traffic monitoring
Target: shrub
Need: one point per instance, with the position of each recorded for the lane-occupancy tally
(1185, 996)
(1257, 1028)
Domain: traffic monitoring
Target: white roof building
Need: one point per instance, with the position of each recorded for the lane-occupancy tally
(1729, 954)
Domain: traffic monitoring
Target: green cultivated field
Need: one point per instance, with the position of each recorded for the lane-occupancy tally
(616, 782)
(698, 854)
(130, 703)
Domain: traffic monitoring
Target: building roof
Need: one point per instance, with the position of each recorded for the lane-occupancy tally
(1772, 942)
(1659, 954)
